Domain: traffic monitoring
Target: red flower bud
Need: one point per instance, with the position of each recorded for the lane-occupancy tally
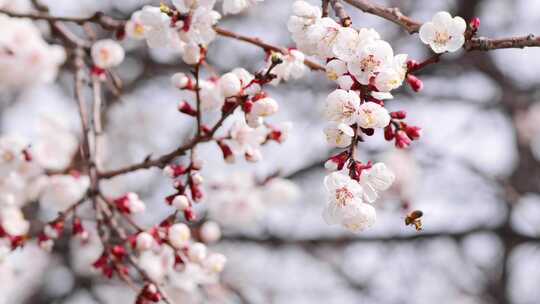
(415, 82)
(189, 214)
(402, 140)
(413, 132)
(398, 114)
(389, 132)
(228, 155)
(247, 106)
(186, 108)
(97, 71)
(474, 23)
(337, 162)
(118, 251)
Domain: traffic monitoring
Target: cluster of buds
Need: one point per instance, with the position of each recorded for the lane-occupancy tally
(149, 294)
(183, 199)
(111, 261)
(129, 203)
(51, 232)
(402, 133)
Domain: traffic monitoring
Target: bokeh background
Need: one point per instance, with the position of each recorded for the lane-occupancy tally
(475, 173)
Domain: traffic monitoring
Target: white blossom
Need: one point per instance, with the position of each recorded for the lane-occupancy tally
(335, 68)
(12, 220)
(292, 67)
(304, 16)
(230, 84)
(107, 53)
(364, 217)
(144, 241)
(210, 232)
(342, 106)
(370, 59)
(211, 95)
(377, 178)
(181, 202)
(350, 40)
(245, 140)
(392, 75)
(180, 80)
(26, 59)
(185, 6)
(157, 27)
(11, 152)
(345, 82)
(135, 26)
(443, 33)
(197, 252)
(345, 205)
(373, 115)
(136, 205)
(323, 34)
(179, 235)
(215, 262)
(344, 194)
(237, 6)
(200, 30)
(339, 134)
(265, 107)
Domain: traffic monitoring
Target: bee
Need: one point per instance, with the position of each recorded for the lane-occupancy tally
(414, 218)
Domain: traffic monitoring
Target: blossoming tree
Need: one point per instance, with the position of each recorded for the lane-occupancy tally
(69, 174)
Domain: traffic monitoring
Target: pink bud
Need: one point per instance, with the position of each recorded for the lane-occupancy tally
(247, 106)
(186, 108)
(402, 140)
(337, 162)
(474, 23)
(118, 251)
(413, 132)
(389, 132)
(228, 155)
(78, 227)
(398, 114)
(415, 82)
(174, 170)
(189, 214)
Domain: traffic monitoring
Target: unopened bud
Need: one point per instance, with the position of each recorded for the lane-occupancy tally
(398, 114)
(186, 108)
(416, 84)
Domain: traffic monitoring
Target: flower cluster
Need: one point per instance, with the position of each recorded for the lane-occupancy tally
(25, 58)
(238, 89)
(186, 27)
(366, 71)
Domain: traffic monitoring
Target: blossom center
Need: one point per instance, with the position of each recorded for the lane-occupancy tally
(442, 37)
(343, 196)
(369, 63)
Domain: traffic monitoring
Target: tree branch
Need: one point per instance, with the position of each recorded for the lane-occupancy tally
(394, 15)
(267, 47)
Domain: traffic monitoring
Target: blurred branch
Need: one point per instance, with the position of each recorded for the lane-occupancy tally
(163, 160)
(265, 46)
(100, 18)
(278, 241)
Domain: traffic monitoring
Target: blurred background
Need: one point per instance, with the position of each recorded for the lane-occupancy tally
(475, 173)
